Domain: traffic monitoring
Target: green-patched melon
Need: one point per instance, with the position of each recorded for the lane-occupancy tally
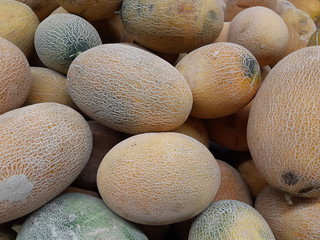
(77, 216)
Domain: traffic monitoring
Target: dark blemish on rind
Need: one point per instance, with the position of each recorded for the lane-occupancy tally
(250, 66)
(290, 178)
(211, 15)
(309, 189)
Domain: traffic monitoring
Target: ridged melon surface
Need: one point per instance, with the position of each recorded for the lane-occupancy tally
(230, 220)
(43, 148)
(284, 124)
(77, 216)
(172, 26)
(158, 178)
(61, 37)
(129, 89)
(15, 76)
(18, 24)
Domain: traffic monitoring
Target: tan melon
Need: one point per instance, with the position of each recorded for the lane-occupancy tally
(59, 10)
(48, 86)
(233, 7)
(104, 139)
(91, 10)
(129, 89)
(262, 31)
(44, 147)
(283, 5)
(42, 8)
(233, 186)
(72, 189)
(298, 221)
(223, 77)
(18, 24)
(284, 124)
(61, 37)
(15, 76)
(172, 26)
(223, 36)
(158, 178)
(195, 128)
(312, 7)
(230, 220)
(314, 39)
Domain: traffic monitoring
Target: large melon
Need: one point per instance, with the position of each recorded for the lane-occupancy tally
(43, 149)
(284, 124)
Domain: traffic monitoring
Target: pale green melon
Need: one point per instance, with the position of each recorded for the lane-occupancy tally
(61, 37)
(230, 220)
(77, 216)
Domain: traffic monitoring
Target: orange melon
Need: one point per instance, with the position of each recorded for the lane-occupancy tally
(61, 37)
(15, 76)
(42, 8)
(298, 221)
(18, 24)
(284, 124)
(129, 89)
(172, 26)
(223, 78)
(44, 147)
(158, 178)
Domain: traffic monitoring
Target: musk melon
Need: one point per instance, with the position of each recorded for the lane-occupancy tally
(158, 178)
(18, 24)
(43, 148)
(172, 26)
(61, 37)
(129, 89)
(284, 124)
(15, 76)
(230, 220)
(77, 216)
(42, 8)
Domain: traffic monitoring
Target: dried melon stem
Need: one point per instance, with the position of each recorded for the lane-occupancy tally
(288, 198)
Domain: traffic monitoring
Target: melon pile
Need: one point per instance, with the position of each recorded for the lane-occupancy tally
(160, 119)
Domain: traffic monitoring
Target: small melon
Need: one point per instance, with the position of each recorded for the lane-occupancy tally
(223, 78)
(61, 37)
(223, 36)
(172, 26)
(77, 216)
(158, 178)
(43, 148)
(284, 124)
(230, 220)
(18, 24)
(129, 89)
(314, 39)
(72, 189)
(298, 221)
(42, 8)
(15, 76)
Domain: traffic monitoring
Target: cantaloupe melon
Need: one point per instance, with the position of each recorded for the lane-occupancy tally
(43, 148)
(61, 37)
(223, 78)
(15, 76)
(230, 220)
(42, 8)
(77, 216)
(129, 89)
(172, 26)
(312, 7)
(284, 124)
(298, 221)
(18, 24)
(158, 178)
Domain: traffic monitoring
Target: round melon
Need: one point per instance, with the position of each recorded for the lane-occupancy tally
(129, 89)
(77, 216)
(18, 24)
(15, 76)
(298, 221)
(61, 37)
(284, 124)
(223, 78)
(42, 8)
(230, 220)
(158, 178)
(172, 26)
(43, 149)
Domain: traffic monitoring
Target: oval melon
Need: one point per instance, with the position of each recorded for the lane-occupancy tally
(158, 178)
(284, 124)
(77, 216)
(43, 148)
(230, 220)
(129, 89)
(61, 37)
